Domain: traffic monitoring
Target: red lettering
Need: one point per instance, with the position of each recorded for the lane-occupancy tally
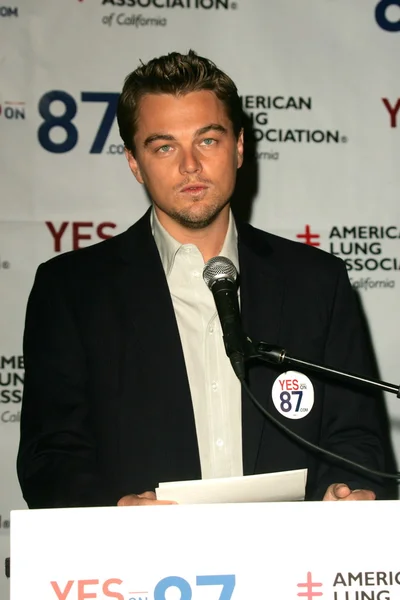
(102, 227)
(61, 595)
(289, 384)
(108, 592)
(57, 235)
(392, 111)
(295, 384)
(102, 231)
(282, 384)
(81, 588)
(77, 236)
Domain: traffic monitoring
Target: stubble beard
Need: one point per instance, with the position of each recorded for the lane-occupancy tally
(191, 221)
(197, 220)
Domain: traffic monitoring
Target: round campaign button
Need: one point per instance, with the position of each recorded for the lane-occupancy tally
(293, 395)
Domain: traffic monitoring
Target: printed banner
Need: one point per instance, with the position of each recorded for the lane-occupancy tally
(320, 86)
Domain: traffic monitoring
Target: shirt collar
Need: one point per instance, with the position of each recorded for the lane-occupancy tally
(169, 246)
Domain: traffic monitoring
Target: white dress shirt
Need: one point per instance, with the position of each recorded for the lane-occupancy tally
(215, 389)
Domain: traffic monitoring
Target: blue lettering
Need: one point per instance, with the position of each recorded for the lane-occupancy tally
(381, 15)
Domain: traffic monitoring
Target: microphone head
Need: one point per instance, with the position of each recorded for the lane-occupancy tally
(217, 268)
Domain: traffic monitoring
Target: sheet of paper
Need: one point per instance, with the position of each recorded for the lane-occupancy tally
(287, 486)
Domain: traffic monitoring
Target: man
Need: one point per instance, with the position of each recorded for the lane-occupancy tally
(127, 383)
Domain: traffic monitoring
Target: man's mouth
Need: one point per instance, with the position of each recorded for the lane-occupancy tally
(194, 189)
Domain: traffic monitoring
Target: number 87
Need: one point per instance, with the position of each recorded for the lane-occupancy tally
(286, 397)
(64, 121)
(227, 582)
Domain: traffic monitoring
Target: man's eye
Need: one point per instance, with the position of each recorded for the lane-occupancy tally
(164, 148)
(208, 141)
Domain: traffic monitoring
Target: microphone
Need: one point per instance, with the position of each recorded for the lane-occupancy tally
(220, 275)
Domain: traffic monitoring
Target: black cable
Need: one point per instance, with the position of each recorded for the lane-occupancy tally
(307, 444)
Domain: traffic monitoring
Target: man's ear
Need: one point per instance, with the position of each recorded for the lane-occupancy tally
(240, 149)
(133, 165)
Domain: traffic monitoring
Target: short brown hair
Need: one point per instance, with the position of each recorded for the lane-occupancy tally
(176, 74)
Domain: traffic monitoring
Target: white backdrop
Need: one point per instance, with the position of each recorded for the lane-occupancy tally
(320, 80)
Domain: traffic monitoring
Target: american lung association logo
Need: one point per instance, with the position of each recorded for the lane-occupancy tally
(149, 18)
(310, 589)
(177, 4)
(368, 251)
(11, 384)
(357, 585)
(264, 113)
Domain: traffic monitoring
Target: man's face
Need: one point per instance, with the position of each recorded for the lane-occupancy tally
(186, 156)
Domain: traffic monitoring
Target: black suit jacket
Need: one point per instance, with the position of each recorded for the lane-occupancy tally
(107, 409)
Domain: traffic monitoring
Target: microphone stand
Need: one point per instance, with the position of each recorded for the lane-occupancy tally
(275, 355)
(250, 350)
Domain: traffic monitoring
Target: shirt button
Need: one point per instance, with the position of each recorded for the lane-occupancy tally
(219, 442)
(214, 385)
(211, 329)
(196, 273)
(188, 249)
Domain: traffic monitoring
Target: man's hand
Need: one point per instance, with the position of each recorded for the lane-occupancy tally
(142, 499)
(341, 491)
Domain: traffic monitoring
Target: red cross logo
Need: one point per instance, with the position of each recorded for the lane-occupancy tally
(309, 594)
(308, 237)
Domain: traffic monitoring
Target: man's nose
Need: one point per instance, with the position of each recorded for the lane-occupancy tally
(190, 162)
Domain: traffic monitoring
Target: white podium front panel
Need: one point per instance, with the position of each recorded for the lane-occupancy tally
(272, 551)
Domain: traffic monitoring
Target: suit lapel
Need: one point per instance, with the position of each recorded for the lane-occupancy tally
(262, 296)
(152, 341)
